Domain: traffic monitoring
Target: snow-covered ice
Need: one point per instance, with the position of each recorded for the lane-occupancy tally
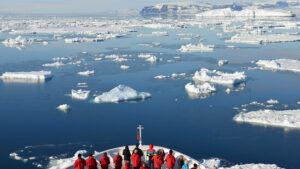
(280, 118)
(121, 93)
(56, 163)
(64, 107)
(199, 90)
(196, 48)
(35, 76)
(148, 57)
(54, 64)
(222, 62)
(263, 38)
(80, 94)
(272, 101)
(157, 33)
(219, 77)
(86, 73)
(280, 64)
(124, 67)
(173, 75)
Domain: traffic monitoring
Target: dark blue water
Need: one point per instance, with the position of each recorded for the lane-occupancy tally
(201, 128)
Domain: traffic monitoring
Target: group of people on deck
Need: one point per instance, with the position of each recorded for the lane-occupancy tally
(155, 160)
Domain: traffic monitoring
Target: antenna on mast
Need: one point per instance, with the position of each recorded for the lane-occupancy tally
(139, 134)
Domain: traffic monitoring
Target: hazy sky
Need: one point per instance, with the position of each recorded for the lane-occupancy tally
(80, 6)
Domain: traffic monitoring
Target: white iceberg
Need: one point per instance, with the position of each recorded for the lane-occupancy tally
(228, 12)
(121, 93)
(249, 38)
(149, 57)
(124, 67)
(280, 118)
(80, 94)
(173, 75)
(280, 64)
(199, 90)
(86, 73)
(219, 77)
(196, 48)
(34, 76)
(272, 101)
(64, 107)
(222, 62)
(54, 64)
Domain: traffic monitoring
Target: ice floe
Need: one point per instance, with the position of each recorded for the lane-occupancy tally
(280, 118)
(272, 101)
(219, 77)
(280, 64)
(263, 39)
(173, 75)
(34, 76)
(199, 90)
(64, 107)
(86, 73)
(80, 94)
(124, 67)
(19, 42)
(121, 93)
(196, 48)
(149, 57)
(56, 163)
(222, 62)
(157, 33)
(54, 64)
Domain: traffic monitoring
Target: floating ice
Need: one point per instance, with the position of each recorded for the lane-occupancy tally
(149, 57)
(228, 12)
(64, 107)
(64, 163)
(197, 90)
(124, 67)
(34, 76)
(196, 48)
(253, 166)
(173, 75)
(121, 93)
(80, 94)
(79, 40)
(280, 64)
(19, 42)
(98, 59)
(54, 64)
(158, 33)
(17, 157)
(281, 118)
(271, 101)
(118, 59)
(222, 62)
(263, 39)
(219, 77)
(86, 73)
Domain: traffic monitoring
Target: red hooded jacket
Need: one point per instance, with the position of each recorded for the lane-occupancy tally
(91, 163)
(170, 161)
(118, 161)
(158, 161)
(79, 163)
(136, 160)
(104, 161)
(127, 166)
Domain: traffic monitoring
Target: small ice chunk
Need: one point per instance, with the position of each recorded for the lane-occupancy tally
(64, 107)
(271, 101)
(124, 67)
(227, 90)
(196, 48)
(121, 93)
(86, 73)
(54, 64)
(280, 64)
(219, 77)
(222, 62)
(281, 118)
(98, 59)
(152, 59)
(80, 94)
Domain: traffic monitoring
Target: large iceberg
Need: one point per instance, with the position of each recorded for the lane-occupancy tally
(35, 76)
(219, 77)
(280, 64)
(228, 12)
(281, 118)
(196, 48)
(121, 93)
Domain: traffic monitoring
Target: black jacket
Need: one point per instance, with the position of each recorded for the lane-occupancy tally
(126, 154)
(180, 163)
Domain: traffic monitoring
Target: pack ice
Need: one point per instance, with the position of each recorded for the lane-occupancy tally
(121, 93)
(228, 12)
(280, 118)
(196, 48)
(37, 76)
(280, 64)
(263, 38)
(219, 77)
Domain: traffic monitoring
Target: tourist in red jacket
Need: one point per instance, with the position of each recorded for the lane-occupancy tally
(170, 159)
(158, 161)
(79, 163)
(127, 166)
(104, 161)
(136, 160)
(91, 163)
(118, 161)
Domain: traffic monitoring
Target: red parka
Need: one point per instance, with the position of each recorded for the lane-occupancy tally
(79, 163)
(170, 161)
(158, 161)
(104, 161)
(118, 161)
(127, 166)
(136, 160)
(91, 163)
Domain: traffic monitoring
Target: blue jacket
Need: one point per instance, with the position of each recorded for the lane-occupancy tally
(185, 166)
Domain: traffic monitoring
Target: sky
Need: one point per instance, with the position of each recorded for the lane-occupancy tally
(80, 6)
